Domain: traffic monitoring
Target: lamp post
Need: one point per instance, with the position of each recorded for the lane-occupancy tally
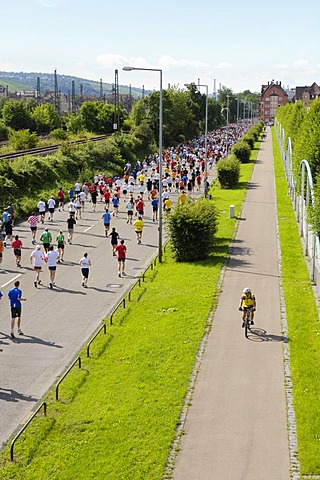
(227, 139)
(205, 139)
(128, 69)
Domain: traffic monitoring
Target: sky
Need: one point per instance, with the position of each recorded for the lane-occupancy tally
(238, 44)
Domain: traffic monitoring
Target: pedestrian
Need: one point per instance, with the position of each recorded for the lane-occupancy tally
(71, 223)
(52, 257)
(36, 259)
(72, 208)
(138, 225)
(33, 222)
(114, 240)
(140, 207)
(8, 230)
(51, 206)
(17, 246)
(94, 195)
(71, 194)
(115, 204)
(121, 249)
(106, 221)
(61, 243)
(167, 205)
(61, 199)
(78, 207)
(155, 206)
(85, 263)
(130, 210)
(4, 216)
(10, 210)
(46, 239)
(42, 209)
(15, 297)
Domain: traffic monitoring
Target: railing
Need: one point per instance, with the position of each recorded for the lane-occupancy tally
(301, 201)
(44, 405)
(78, 359)
(104, 327)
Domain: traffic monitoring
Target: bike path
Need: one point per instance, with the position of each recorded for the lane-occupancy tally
(57, 323)
(236, 425)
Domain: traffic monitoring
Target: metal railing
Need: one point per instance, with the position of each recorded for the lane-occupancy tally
(44, 405)
(78, 359)
(104, 327)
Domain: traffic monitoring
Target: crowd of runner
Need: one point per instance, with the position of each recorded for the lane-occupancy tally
(135, 193)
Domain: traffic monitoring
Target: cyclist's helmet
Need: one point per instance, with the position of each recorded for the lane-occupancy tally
(247, 290)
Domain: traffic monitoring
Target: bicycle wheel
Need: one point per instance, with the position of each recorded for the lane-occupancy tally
(246, 324)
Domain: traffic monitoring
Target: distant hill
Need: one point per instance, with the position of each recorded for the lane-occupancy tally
(18, 81)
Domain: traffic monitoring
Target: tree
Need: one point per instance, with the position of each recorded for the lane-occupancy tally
(45, 118)
(17, 115)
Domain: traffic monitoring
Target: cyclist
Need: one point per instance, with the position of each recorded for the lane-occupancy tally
(247, 300)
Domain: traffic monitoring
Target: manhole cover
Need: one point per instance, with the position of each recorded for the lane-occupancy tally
(114, 285)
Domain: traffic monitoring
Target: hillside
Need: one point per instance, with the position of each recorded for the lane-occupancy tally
(17, 81)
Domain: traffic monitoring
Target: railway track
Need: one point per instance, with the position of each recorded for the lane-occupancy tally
(49, 149)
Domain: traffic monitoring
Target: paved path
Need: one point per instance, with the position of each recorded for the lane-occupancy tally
(236, 426)
(57, 323)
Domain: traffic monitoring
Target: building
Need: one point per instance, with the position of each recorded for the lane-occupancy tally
(307, 94)
(272, 97)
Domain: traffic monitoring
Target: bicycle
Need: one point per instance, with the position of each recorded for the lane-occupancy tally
(247, 320)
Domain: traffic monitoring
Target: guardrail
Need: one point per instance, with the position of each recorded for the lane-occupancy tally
(104, 327)
(44, 405)
(78, 359)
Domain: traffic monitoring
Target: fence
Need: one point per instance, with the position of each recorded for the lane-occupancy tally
(302, 199)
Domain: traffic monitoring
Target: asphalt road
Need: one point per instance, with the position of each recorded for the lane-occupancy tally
(236, 426)
(56, 323)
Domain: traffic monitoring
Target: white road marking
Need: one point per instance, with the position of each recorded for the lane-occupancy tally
(12, 280)
(88, 229)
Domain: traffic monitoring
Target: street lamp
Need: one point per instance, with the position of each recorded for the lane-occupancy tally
(205, 139)
(128, 69)
(227, 123)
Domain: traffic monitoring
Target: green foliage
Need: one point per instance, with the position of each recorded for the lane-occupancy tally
(45, 118)
(241, 150)
(228, 170)
(249, 138)
(17, 115)
(192, 229)
(23, 139)
(98, 117)
(59, 134)
(4, 131)
(75, 124)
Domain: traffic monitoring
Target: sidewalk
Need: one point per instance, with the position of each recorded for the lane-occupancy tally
(236, 426)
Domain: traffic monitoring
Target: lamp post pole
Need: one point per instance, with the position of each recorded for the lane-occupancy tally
(205, 140)
(227, 136)
(128, 69)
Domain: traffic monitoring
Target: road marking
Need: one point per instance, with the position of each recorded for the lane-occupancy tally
(5, 284)
(88, 229)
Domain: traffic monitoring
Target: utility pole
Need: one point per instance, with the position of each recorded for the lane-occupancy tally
(73, 97)
(101, 90)
(142, 91)
(38, 91)
(56, 93)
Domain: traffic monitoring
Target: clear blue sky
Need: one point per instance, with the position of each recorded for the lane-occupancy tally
(242, 44)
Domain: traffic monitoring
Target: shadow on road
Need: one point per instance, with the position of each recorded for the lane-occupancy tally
(31, 339)
(261, 335)
(9, 395)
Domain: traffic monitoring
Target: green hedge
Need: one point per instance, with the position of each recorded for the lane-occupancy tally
(229, 172)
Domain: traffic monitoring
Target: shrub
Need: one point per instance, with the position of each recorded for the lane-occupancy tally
(4, 131)
(229, 172)
(59, 134)
(241, 150)
(22, 139)
(249, 138)
(192, 229)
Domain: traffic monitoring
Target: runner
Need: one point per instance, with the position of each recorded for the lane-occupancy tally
(33, 222)
(71, 223)
(72, 208)
(1, 248)
(61, 243)
(42, 209)
(17, 246)
(36, 259)
(106, 221)
(85, 263)
(129, 210)
(121, 250)
(8, 230)
(15, 297)
(61, 199)
(46, 239)
(51, 206)
(114, 240)
(138, 224)
(52, 257)
(115, 204)
(155, 206)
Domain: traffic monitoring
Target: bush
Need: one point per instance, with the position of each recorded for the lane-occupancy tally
(22, 139)
(249, 138)
(192, 229)
(241, 150)
(229, 172)
(4, 131)
(59, 134)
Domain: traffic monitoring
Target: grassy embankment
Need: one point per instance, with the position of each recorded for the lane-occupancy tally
(118, 415)
(303, 328)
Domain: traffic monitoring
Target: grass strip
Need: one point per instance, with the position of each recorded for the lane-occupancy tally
(117, 416)
(303, 327)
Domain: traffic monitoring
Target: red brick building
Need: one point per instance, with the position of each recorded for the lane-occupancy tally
(307, 94)
(272, 97)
